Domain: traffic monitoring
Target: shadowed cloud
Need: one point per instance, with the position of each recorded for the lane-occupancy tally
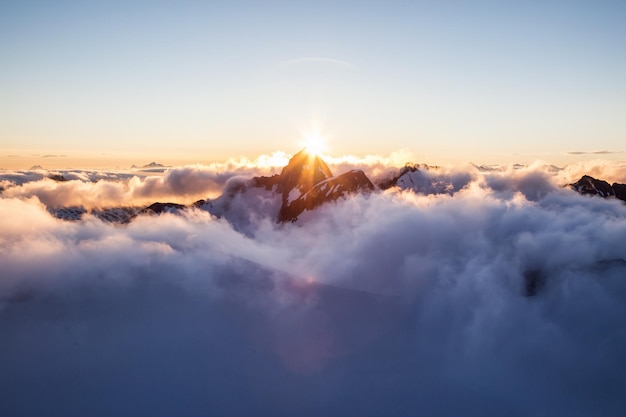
(505, 294)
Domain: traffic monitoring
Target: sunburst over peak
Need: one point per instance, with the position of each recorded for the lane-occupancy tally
(315, 144)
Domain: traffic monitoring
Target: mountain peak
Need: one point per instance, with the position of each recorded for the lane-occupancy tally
(305, 183)
(592, 186)
(303, 171)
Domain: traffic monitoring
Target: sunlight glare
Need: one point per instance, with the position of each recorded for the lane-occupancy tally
(314, 143)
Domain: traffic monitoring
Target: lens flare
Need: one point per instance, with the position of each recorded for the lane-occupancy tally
(314, 143)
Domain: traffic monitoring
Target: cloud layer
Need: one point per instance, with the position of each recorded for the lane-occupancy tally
(392, 303)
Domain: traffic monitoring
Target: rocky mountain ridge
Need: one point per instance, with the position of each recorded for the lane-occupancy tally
(305, 184)
(588, 185)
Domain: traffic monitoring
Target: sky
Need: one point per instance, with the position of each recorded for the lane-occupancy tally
(466, 290)
(90, 84)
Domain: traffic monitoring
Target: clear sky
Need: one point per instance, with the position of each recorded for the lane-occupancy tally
(196, 81)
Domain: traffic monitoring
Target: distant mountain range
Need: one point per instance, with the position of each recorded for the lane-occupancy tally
(304, 184)
(151, 165)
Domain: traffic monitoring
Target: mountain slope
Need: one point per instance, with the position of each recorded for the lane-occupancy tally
(588, 185)
(300, 175)
(325, 191)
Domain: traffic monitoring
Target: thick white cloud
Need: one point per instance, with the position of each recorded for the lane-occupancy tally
(608, 171)
(388, 303)
(90, 189)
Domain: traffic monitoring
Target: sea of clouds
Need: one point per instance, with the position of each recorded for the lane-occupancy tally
(391, 303)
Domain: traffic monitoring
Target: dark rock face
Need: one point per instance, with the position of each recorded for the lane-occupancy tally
(158, 208)
(57, 177)
(325, 191)
(620, 191)
(266, 182)
(111, 215)
(68, 213)
(393, 181)
(588, 185)
(114, 215)
(301, 173)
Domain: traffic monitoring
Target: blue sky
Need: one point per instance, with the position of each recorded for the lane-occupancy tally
(451, 82)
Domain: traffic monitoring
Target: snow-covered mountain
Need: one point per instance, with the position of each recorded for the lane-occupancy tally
(425, 179)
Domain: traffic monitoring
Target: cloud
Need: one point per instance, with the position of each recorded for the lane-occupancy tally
(105, 189)
(392, 302)
(375, 166)
(534, 182)
(598, 168)
(93, 189)
(604, 152)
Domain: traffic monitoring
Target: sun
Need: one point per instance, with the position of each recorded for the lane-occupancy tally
(314, 143)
